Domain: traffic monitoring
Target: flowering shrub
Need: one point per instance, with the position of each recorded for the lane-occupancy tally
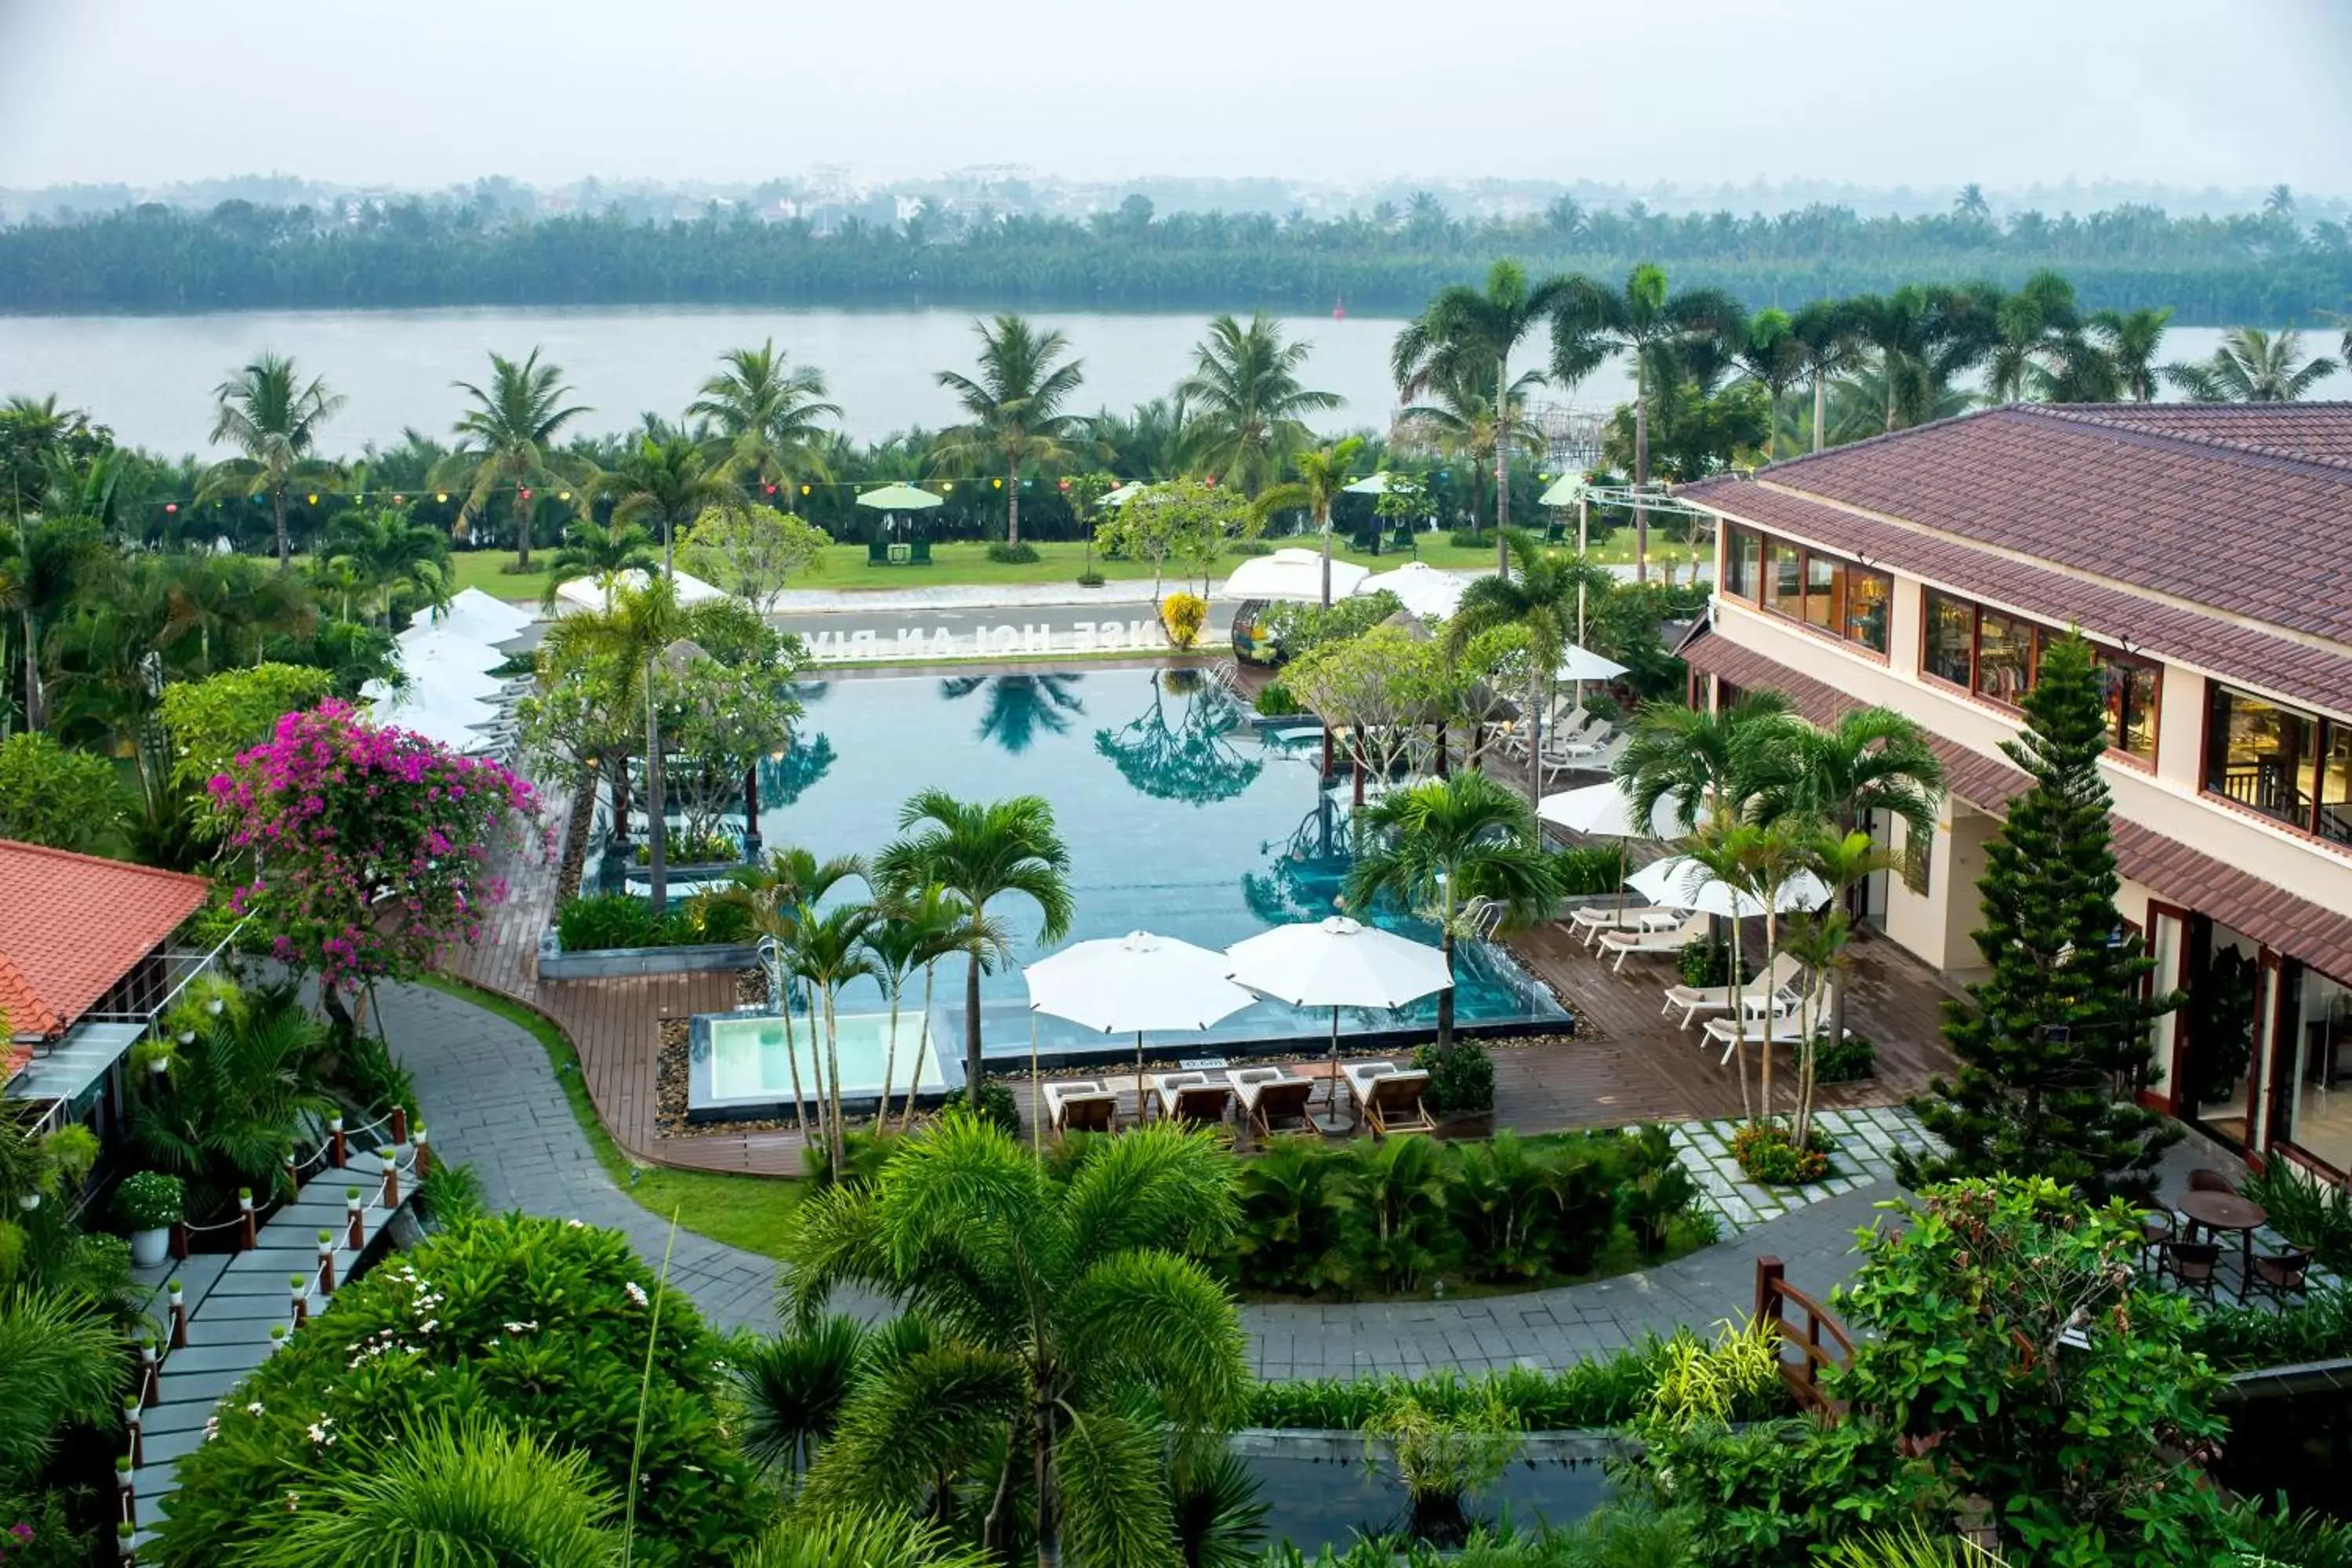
(536, 1325)
(373, 844)
(1767, 1153)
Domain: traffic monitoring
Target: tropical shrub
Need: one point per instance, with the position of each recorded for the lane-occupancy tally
(1442, 1457)
(1706, 961)
(1005, 554)
(2236, 1339)
(1295, 627)
(997, 1106)
(1768, 1153)
(1275, 700)
(1587, 870)
(51, 795)
(702, 846)
(1469, 539)
(2305, 1211)
(1183, 615)
(1460, 1077)
(538, 1326)
(249, 1089)
(1844, 1061)
(1656, 1194)
(606, 920)
(151, 1200)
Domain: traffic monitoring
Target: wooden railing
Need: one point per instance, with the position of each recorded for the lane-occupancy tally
(1802, 1325)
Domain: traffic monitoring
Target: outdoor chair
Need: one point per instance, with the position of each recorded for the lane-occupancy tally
(1084, 1107)
(2193, 1265)
(1579, 750)
(2280, 1275)
(1784, 1029)
(1269, 1096)
(1672, 939)
(2157, 1231)
(2204, 1179)
(1768, 995)
(1388, 1100)
(1590, 922)
(1192, 1098)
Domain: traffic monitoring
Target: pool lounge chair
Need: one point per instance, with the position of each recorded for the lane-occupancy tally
(1268, 1096)
(1783, 1030)
(1197, 1099)
(1590, 922)
(1084, 1107)
(1665, 939)
(1389, 1100)
(1770, 993)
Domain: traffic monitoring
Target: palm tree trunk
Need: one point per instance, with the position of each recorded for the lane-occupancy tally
(277, 516)
(1041, 1455)
(1446, 997)
(1771, 937)
(522, 531)
(1641, 471)
(1821, 407)
(1539, 680)
(1011, 503)
(890, 1056)
(972, 1068)
(656, 828)
(32, 670)
(1324, 521)
(923, 1039)
(833, 1085)
(793, 1062)
(1739, 1028)
(1502, 467)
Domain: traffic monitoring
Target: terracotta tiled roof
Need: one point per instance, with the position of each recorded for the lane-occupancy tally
(2317, 935)
(72, 925)
(2306, 432)
(2293, 669)
(2150, 500)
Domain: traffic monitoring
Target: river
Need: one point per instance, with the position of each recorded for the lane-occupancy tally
(150, 378)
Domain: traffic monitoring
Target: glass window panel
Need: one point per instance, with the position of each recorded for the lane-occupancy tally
(2335, 783)
(1743, 557)
(1867, 594)
(1822, 592)
(2263, 755)
(2004, 658)
(2131, 694)
(2321, 1115)
(1951, 634)
(1783, 580)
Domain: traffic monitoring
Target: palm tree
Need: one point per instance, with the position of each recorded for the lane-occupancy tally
(1323, 476)
(1463, 420)
(232, 1103)
(2279, 203)
(1014, 407)
(1831, 335)
(979, 852)
(1245, 401)
(827, 952)
(271, 416)
(872, 1537)
(1775, 358)
(1464, 338)
(1547, 601)
(2131, 340)
(917, 929)
(507, 440)
(2252, 366)
(387, 552)
(1707, 762)
(668, 483)
(1070, 1318)
(777, 893)
(1443, 842)
(1924, 337)
(1971, 203)
(768, 418)
(2037, 330)
(1594, 322)
(43, 565)
(602, 553)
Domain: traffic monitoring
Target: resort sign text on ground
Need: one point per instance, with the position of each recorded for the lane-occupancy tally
(941, 640)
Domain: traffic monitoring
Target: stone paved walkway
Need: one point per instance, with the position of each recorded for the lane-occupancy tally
(492, 1101)
(1865, 1141)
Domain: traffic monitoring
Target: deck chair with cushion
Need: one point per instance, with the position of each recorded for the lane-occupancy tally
(1666, 939)
(1767, 994)
(1082, 1107)
(1588, 923)
(1388, 1100)
(1195, 1098)
(1270, 1097)
(1786, 1029)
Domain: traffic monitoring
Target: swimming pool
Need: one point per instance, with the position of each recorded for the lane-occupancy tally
(1180, 818)
(737, 1063)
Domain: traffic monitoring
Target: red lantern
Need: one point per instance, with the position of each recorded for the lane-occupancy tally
(525, 492)
(171, 507)
(1064, 485)
(771, 489)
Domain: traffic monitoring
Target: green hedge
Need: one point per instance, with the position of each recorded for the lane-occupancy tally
(600, 921)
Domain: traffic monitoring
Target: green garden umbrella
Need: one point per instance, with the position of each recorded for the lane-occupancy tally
(897, 497)
(1566, 490)
(1376, 485)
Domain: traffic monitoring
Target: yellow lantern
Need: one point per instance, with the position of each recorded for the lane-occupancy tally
(314, 498)
(443, 497)
(804, 489)
(996, 484)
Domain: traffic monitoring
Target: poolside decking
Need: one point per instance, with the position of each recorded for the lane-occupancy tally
(1628, 1064)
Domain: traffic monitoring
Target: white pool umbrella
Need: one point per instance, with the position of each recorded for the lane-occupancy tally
(1124, 494)
(589, 594)
(1420, 587)
(1606, 811)
(1133, 984)
(474, 605)
(1338, 963)
(455, 670)
(1293, 574)
(1373, 485)
(1680, 882)
(454, 730)
(1581, 663)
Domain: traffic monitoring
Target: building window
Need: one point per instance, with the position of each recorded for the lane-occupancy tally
(1743, 562)
(2005, 661)
(1951, 640)
(2131, 688)
(1997, 656)
(1868, 595)
(1784, 579)
(2286, 764)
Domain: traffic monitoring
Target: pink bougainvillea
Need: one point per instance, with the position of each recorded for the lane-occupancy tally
(373, 847)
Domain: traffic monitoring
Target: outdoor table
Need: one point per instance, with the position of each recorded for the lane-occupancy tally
(2227, 1211)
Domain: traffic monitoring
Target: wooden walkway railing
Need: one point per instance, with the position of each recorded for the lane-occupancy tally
(1819, 1341)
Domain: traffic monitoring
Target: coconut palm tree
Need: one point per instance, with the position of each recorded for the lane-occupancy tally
(1872, 760)
(1462, 420)
(1247, 403)
(1971, 203)
(1775, 358)
(2252, 366)
(2130, 340)
(602, 553)
(827, 952)
(776, 893)
(917, 929)
(1704, 761)
(1594, 322)
(271, 416)
(387, 553)
(1464, 338)
(1323, 477)
(979, 853)
(1014, 407)
(2037, 330)
(768, 417)
(507, 441)
(44, 564)
(667, 483)
(1069, 1316)
(1832, 338)
(1545, 600)
(1443, 842)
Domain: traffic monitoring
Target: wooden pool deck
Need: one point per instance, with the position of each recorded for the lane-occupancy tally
(1626, 1064)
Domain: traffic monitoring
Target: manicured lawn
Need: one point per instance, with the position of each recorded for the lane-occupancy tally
(749, 1212)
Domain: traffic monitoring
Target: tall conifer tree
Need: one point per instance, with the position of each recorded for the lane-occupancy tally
(2062, 1025)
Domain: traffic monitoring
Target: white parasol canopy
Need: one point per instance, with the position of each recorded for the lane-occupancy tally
(1124, 494)
(586, 593)
(474, 605)
(1373, 485)
(1421, 587)
(1338, 963)
(1581, 663)
(453, 727)
(1135, 984)
(1606, 811)
(1293, 574)
(1680, 882)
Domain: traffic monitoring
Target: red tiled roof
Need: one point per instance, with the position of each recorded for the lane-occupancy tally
(2297, 670)
(2153, 499)
(73, 925)
(2317, 935)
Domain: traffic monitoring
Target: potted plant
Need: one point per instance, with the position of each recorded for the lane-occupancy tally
(150, 1204)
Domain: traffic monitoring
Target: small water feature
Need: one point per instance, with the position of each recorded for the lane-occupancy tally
(740, 1064)
(1317, 1489)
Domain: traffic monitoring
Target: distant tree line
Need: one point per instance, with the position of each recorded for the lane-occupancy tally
(2264, 267)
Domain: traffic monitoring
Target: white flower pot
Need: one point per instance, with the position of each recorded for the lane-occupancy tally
(148, 1247)
(28, 1201)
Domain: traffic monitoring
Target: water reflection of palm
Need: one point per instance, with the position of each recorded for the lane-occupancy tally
(784, 779)
(1190, 760)
(1020, 707)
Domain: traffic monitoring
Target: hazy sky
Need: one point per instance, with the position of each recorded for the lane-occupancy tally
(425, 92)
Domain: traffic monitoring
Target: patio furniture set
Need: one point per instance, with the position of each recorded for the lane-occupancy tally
(2185, 1248)
(1259, 1102)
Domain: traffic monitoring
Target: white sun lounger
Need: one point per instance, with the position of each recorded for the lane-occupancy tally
(1670, 938)
(1590, 922)
(1769, 993)
(1783, 1030)
(1082, 1107)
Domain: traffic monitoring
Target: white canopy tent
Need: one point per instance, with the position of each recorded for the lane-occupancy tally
(474, 605)
(451, 727)
(1422, 588)
(589, 594)
(1293, 574)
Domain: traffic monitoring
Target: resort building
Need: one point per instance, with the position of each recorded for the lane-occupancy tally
(2206, 552)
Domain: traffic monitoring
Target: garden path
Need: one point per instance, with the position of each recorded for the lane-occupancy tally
(493, 1102)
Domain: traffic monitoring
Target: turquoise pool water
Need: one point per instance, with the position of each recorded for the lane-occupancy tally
(743, 1063)
(1180, 818)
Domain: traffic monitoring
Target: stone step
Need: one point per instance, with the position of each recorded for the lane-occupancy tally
(216, 1358)
(163, 1447)
(177, 1414)
(213, 1329)
(212, 1385)
(153, 1480)
(270, 1306)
